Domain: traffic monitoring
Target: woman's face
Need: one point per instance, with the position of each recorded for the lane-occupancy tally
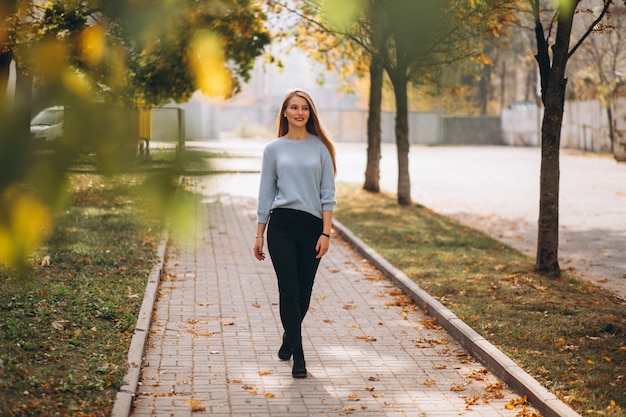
(297, 112)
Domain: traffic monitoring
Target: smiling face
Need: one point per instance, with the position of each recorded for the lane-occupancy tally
(297, 112)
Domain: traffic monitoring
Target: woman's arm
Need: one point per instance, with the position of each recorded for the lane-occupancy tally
(323, 242)
(258, 242)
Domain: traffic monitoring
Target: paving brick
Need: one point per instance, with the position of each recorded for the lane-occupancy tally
(216, 332)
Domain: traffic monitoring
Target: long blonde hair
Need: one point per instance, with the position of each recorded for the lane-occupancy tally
(314, 126)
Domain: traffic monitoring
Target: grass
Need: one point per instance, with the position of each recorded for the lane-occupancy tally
(568, 334)
(65, 328)
(192, 160)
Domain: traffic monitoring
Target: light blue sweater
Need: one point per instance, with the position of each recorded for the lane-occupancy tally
(296, 174)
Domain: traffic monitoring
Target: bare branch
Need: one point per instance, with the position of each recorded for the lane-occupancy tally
(590, 29)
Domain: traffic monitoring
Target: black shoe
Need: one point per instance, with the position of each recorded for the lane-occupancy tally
(299, 366)
(284, 353)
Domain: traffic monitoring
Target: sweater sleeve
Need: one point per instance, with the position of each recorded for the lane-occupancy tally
(327, 186)
(267, 186)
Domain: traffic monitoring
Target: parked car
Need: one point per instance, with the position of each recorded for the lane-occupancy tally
(46, 128)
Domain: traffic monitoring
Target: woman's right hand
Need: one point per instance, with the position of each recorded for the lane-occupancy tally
(258, 248)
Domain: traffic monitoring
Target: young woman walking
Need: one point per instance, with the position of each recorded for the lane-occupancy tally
(296, 202)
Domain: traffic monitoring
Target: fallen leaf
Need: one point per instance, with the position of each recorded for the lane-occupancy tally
(269, 395)
(61, 324)
(471, 401)
(266, 372)
(353, 397)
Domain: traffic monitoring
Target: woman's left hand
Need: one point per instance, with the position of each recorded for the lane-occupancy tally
(323, 243)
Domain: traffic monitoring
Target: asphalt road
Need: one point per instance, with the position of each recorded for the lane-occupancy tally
(496, 190)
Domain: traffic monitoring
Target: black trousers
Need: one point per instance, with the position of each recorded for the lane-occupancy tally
(291, 239)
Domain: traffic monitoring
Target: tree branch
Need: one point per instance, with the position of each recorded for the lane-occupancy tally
(607, 3)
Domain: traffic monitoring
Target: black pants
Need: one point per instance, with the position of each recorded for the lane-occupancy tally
(291, 239)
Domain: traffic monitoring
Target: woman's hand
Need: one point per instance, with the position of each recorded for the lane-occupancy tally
(258, 248)
(323, 243)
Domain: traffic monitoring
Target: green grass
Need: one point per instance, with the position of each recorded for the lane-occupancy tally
(568, 334)
(65, 328)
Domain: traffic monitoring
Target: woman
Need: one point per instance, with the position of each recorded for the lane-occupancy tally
(296, 202)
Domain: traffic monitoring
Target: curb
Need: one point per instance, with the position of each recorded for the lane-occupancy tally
(126, 394)
(490, 356)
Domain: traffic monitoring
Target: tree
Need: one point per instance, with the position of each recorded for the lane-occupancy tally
(552, 60)
(126, 52)
(424, 38)
(410, 41)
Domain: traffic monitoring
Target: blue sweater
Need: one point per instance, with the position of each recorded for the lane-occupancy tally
(296, 174)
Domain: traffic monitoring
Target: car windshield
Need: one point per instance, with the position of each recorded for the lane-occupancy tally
(48, 117)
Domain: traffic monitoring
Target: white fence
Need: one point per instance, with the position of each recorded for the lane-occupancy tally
(585, 126)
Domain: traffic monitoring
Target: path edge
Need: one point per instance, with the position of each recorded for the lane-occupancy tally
(491, 357)
(126, 394)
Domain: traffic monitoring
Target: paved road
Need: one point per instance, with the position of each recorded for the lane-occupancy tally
(496, 190)
(215, 332)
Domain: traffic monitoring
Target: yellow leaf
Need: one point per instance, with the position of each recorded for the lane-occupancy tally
(208, 64)
(269, 395)
(92, 45)
(589, 362)
(24, 225)
(606, 358)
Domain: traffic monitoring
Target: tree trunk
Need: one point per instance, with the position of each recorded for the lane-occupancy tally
(400, 83)
(553, 93)
(5, 66)
(15, 134)
(609, 115)
(372, 171)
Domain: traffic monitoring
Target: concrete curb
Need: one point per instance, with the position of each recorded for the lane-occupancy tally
(124, 398)
(496, 361)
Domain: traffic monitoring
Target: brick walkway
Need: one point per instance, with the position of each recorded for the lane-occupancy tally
(216, 330)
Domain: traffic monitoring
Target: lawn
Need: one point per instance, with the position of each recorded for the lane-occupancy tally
(65, 328)
(568, 334)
